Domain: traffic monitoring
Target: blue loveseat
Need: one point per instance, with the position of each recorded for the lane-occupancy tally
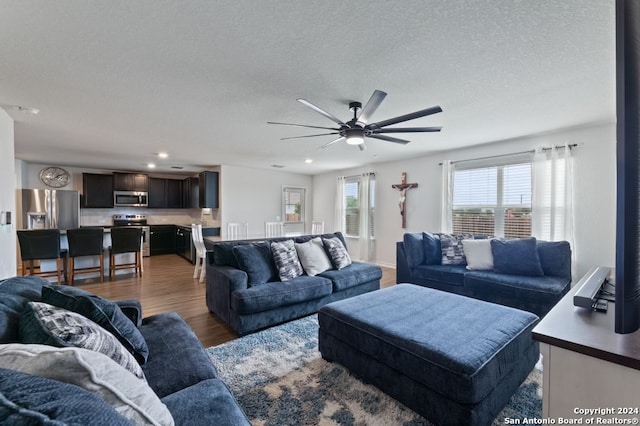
(177, 369)
(419, 261)
(245, 292)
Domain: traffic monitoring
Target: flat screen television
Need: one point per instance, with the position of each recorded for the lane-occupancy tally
(627, 298)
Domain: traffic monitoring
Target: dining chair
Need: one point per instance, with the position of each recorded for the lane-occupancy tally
(42, 244)
(317, 227)
(201, 251)
(125, 239)
(85, 242)
(273, 229)
(237, 231)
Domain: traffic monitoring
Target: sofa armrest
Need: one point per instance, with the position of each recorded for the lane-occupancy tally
(132, 309)
(222, 281)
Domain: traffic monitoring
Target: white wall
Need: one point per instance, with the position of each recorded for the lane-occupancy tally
(8, 263)
(255, 196)
(595, 185)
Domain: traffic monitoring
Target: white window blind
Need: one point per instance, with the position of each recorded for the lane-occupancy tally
(492, 199)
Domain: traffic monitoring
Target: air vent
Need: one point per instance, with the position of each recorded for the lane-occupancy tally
(177, 167)
(277, 166)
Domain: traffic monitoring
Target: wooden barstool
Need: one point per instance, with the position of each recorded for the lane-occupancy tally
(125, 239)
(85, 242)
(42, 244)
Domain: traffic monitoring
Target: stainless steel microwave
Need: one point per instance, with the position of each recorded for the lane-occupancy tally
(130, 199)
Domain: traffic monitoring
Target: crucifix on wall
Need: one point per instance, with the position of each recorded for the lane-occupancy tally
(403, 187)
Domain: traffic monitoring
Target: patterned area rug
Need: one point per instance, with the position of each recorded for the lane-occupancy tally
(279, 378)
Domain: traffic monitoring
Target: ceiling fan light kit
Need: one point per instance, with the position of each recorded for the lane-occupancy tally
(358, 128)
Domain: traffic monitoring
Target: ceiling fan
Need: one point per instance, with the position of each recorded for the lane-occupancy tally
(355, 130)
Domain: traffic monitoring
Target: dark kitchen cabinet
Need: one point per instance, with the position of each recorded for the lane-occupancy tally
(190, 193)
(183, 243)
(162, 239)
(130, 182)
(174, 193)
(208, 191)
(165, 193)
(97, 190)
(157, 193)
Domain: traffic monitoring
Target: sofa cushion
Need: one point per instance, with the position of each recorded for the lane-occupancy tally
(414, 249)
(277, 294)
(478, 254)
(26, 399)
(516, 257)
(50, 325)
(337, 252)
(432, 248)
(451, 248)
(555, 258)
(103, 312)
(353, 275)
(129, 396)
(286, 259)
(482, 280)
(29, 287)
(257, 261)
(313, 256)
(177, 360)
(206, 403)
(448, 274)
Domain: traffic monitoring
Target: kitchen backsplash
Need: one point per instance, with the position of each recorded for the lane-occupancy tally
(103, 217)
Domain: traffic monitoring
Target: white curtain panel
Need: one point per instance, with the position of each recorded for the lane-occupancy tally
(447, 198)
(367, 243)
(339, 224)
(552, 205)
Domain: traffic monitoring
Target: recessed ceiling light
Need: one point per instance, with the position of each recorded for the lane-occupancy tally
(151, 166)
(308, 160)
(26, 110)
(163, 155)
(277, 166)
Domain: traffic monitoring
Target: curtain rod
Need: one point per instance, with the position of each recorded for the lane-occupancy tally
(531, 151)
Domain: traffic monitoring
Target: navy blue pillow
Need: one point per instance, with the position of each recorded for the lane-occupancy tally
(257, 261)
(103, 312)
(26, 399)
(516, 257)
(432, 249)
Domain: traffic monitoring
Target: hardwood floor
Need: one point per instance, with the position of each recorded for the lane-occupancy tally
(167, 284)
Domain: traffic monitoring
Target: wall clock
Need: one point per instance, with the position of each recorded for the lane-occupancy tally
(55, 177)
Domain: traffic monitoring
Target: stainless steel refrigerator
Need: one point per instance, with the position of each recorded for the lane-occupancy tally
(48, 209)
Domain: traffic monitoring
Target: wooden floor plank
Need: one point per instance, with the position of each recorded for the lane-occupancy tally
(167, 284)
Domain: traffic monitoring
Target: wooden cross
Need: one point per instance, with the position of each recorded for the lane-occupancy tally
(403, 188)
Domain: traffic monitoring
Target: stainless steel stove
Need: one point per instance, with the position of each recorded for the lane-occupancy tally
(136, 220)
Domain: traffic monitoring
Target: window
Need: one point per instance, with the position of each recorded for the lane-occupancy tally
(293, 204)
(492, 199)
(353, 205)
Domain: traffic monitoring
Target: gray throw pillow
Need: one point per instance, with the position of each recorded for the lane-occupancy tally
(452, 249)
(50, 325)
(129, 396)
(313, 257)
(104, 312)
(338, 252)
(286, 259)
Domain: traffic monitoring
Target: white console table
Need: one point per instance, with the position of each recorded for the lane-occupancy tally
(587, 366)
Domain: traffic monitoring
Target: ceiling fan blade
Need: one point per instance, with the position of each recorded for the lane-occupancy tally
(362, 146)
(303, 125)
(310, 136)
(407, 130)
(321, 111)
(332, 142)
(389, 139)
(372, 105)
(406, 117)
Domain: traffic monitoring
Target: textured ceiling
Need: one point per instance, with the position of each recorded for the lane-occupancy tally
(118, 81)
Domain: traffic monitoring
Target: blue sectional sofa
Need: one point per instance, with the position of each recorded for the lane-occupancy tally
(245, 292)
(177, 368)
(419, 261)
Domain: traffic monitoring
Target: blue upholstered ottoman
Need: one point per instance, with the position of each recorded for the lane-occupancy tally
(452, 359)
